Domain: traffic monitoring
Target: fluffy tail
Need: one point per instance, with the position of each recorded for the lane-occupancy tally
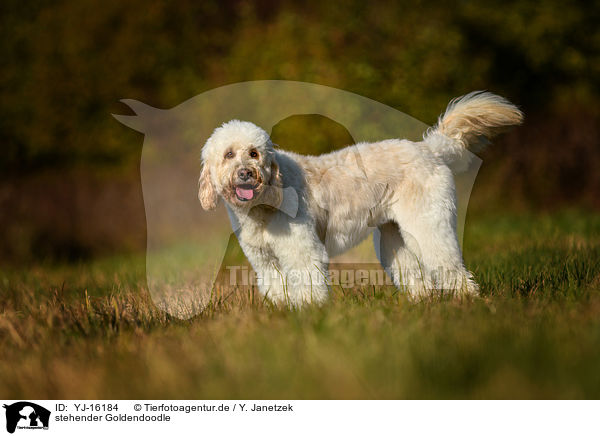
(467, 124)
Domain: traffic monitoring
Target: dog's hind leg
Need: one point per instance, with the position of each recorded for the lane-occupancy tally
(399, 257)
(435, 243)
(418, 265)
(420, 248)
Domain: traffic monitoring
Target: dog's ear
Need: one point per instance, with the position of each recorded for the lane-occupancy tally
(206, 190)
(275, 174)
(274, 193)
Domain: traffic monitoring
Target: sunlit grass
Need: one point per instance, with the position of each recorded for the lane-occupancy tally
(92, 331)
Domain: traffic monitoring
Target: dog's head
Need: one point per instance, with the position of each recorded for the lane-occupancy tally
(239, 165)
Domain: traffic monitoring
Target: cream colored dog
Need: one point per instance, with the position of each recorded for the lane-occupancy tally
(404, 188)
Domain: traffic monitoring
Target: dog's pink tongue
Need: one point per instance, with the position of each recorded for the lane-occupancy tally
(246, 194)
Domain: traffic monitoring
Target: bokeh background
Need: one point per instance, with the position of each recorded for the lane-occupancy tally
(69, 172)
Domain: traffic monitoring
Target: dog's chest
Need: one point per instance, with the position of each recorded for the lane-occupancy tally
(265, 232)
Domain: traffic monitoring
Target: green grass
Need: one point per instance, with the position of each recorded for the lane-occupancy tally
(91, 330)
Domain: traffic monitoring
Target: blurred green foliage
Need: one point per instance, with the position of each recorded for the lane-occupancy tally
(67, 63)
(69, 180)
(325, 134)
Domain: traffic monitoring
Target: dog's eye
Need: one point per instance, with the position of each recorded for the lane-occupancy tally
(254, 154)
(229, 155)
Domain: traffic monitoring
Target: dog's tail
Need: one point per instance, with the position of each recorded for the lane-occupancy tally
(467, 124)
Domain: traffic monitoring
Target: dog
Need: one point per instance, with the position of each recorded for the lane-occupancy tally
(403, 188)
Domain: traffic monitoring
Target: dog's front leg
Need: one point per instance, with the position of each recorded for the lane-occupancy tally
(304, 266)
(306, 281)
(270, 279)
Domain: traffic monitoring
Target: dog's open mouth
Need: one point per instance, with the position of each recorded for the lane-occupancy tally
(244, 192)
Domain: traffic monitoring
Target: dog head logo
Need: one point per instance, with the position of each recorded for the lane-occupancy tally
(186, 245)
(26, 415)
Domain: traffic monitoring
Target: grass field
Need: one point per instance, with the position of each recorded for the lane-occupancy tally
(91, 331)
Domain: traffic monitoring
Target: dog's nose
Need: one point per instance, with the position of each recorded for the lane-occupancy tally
(244, 174)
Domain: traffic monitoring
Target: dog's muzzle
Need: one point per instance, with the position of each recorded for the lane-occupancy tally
(246, 184)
